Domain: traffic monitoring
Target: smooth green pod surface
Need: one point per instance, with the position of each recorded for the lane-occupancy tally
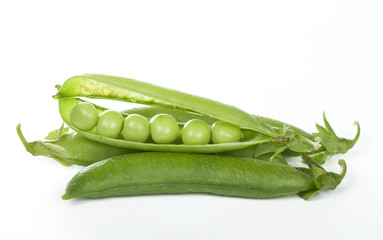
(160, 172)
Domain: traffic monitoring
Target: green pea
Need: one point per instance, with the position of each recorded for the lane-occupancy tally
(224, 132)
(84, 116)
(196, 132)
(163, 128)
(136, 128)
(110, 124)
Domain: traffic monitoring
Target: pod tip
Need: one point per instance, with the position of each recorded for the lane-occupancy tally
(66, 196)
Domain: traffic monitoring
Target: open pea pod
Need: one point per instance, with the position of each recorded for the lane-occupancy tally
(130, 90)
(250, 137)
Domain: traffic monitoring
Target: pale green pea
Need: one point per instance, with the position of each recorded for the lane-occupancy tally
(136, 128)
(110, 124)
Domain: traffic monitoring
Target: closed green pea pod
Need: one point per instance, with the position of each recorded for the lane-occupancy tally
(161, 172)
(154, 173)
(71, 148)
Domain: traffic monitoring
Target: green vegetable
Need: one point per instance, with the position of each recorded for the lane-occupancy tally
(248, 154)
(136, 128)
(84, 116)
(110, 124)
(196, 132)
(71, 148)
(159, 172)
(249, 139)
(129, 90)
(223, 132)
(163, 128)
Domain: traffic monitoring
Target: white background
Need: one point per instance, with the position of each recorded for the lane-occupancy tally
(288, 60)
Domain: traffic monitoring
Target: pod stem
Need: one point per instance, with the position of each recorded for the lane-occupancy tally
(331, 141)
(353, 141)
(26, 144)
(323, 180)
(48, 149)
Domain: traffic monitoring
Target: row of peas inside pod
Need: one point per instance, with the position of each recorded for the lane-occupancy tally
(161, 129)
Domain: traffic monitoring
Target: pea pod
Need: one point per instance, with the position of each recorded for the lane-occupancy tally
(250, 137)
(161, 172)
(129, 90)
(71, 148)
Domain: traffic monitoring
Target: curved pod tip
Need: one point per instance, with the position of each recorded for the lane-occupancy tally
(66, 196)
